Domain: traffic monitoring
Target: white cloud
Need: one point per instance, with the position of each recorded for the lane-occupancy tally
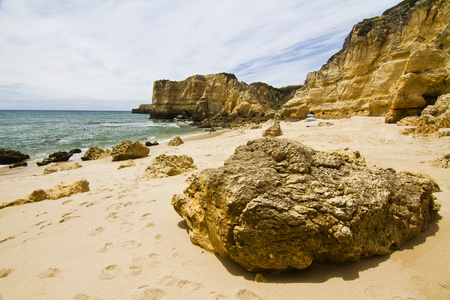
(62, 51)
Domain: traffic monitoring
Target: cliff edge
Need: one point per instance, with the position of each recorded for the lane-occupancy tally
(393, 65)
(200, 97)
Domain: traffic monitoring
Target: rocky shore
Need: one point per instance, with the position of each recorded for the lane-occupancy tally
(113, 221)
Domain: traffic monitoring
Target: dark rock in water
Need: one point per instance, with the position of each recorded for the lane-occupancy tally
(73, 151)
(278, 204)
(149, 144)
(8, 157)
(55, 157)
(19, 164)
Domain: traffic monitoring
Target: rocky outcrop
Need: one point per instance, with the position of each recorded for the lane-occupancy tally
(61, 167)
(129, 150)
(200, 97)
(392, 65)
(55, 157)
(143, 109)
(278, 204)
(434, 118)
(8, 157)
(64, 189)
(95, 153)
(170, 165)
(274, 129)
(442, 162)
(176, 141)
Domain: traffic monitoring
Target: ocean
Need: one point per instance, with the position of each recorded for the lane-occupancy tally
(40, 133)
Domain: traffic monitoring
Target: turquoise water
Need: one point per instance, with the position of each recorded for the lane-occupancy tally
(40, 133)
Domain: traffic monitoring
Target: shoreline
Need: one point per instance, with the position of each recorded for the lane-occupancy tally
(123, 239)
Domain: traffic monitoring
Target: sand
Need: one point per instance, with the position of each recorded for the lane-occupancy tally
(123, 240)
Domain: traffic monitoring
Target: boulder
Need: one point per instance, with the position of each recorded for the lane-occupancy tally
(61, 167)
(8, 157)
(149, 144)
(170, 165)
(129, 150)
(176, 141)
(273, 130)
(278, 204)
(64, 189)
(95, 153)
(73, 151)
(55, 157)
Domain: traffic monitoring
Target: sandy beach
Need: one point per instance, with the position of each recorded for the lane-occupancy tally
(123, 239)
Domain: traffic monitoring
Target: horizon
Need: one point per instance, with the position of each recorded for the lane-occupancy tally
(104, 56)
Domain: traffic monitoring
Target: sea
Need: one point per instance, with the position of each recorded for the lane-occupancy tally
(39, 133)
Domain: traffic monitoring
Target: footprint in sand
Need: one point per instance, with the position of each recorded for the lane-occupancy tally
(126, 227)
(146, 216)
(45, 225)
(87, 204)
(97, 231)
(189, 285)
(248, 295)
(42, 213)
(146, 292)
(67, 201)
(106, 247)
(8, 239)
(50, 273)
(5, 272)
(128, 244)
(108, 272)
(65, 219)
(135, 270)
(154, 259)
(168, 280)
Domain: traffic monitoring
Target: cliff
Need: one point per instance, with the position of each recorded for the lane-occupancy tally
(143, 109)
(392, 65)
(204, 96)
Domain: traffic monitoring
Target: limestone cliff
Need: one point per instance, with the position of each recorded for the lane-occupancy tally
(392, 65)
(203, 96)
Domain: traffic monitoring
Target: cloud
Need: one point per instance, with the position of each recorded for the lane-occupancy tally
(114, 50)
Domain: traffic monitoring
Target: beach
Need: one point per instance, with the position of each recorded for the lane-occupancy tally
(123, 239)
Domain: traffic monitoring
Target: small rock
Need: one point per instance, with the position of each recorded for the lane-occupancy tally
(176, 141)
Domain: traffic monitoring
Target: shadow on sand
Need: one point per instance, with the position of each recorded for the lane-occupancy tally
(322, 272)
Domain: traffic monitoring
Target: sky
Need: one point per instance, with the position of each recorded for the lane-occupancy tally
(106, 54)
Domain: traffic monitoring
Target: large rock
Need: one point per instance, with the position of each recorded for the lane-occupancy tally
(391, 65)
(55, 157)
(176, 141)
(278, 204)
(95, 153)
(64, 189)
(8, 157)
(202, 96)
(170, 165)
(129, 150)
(273, 130)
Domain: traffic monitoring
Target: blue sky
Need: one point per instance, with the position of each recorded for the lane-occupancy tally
(106, 54)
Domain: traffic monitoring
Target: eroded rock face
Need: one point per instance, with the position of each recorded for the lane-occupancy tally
(95, 153)
(64, 189)
(278, 204)
(392, 65)
(129, 150)
(170, 165)
(203, 96)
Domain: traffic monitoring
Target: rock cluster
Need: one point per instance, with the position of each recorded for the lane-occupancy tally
(278, 204)
(95, 153)
(64, 189)
(129, 150)
(170, 165)
(434, 118)
(8, 157)
(393, 65)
